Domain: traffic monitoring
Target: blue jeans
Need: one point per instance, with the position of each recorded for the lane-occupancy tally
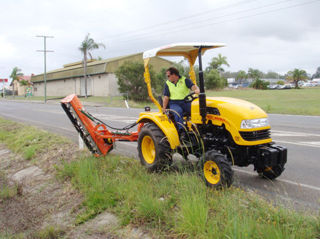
(177, 108)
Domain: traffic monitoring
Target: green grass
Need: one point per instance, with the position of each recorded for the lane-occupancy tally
(26, 140)
(6, 191)
(173, 204)
(49, 232)
(178, 204)
(10, 236)
(305, 101)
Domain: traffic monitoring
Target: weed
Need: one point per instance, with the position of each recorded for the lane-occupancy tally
(7, 192)
(50, 232)
(178, 204)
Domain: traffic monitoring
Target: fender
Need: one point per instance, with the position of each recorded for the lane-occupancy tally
(166, 125)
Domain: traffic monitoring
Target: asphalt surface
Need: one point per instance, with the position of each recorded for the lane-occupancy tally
(298, 186)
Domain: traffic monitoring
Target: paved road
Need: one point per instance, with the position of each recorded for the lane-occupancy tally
(299, 185)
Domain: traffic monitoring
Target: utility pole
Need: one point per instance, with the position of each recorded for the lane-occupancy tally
(45, 64)
(3, 90)
(3, 87)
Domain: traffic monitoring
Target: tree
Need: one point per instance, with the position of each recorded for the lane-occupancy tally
(259, 84)
(317, 74)
(242, 75)
(213, 80)
(23, 82)
(217, 63)
(86, 46)
(297, 75)
(131, 80)
(255, 74)
(280, 82)
(16, 72)
(271, 75)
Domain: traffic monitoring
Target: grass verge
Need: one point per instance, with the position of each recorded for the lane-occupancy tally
(178, 204)
(26, 140)
(304, 101)
(171, 204)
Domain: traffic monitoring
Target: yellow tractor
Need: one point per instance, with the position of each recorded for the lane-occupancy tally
(220, 131)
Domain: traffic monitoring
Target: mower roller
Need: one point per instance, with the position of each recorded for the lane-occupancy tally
(220, 131)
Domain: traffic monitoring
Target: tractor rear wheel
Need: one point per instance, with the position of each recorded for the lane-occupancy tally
(216, 170)
(153, 147)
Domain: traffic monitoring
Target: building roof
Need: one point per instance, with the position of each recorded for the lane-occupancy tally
(26, 78)
(94, 67)
(23, 77)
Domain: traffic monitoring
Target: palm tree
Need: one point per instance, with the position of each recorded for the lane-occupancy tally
(297, 75)
(241, 75)
(16, 72)
(86, 46)
(217, 62)
(255, 74)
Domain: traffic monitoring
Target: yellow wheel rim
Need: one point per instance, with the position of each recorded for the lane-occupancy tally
(211, 172)
(148, 149)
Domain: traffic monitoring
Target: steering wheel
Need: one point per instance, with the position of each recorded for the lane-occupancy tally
(191, 97)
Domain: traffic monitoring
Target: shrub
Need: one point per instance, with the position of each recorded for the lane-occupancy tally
(131, 80)
(213, 80)
(259, 84)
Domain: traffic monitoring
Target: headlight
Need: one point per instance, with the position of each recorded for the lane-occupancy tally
(254, 123)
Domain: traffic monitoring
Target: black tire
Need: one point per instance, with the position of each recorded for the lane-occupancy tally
(162, 155)
(216, 170)
(272, 172)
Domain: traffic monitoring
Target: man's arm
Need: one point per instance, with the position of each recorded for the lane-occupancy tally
(195, 89)
(192, 86)
(165, 103)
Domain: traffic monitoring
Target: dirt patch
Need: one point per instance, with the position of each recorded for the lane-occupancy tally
(38, 198)
(39, 205)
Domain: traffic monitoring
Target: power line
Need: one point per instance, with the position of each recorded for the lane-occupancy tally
(184, 27)
(143, 36)
(200, 14)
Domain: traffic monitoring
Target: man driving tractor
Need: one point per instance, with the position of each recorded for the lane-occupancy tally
(175, 90)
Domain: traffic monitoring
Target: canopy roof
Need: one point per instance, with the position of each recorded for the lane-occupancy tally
(181, 49)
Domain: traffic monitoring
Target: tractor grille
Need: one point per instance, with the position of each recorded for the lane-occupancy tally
(213, 111)
(255, 135)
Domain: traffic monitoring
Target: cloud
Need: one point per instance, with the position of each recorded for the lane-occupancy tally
(7, 49)
(278, 40)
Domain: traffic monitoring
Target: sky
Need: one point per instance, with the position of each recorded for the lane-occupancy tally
(273, 35)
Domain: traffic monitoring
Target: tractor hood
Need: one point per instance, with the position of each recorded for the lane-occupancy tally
(230, 110)
(241, 108)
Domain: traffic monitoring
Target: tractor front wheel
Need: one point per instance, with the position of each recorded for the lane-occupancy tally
(216, 170)
(153, 147)
(271, 172)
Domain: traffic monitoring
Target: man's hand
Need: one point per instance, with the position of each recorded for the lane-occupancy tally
(195, 89)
